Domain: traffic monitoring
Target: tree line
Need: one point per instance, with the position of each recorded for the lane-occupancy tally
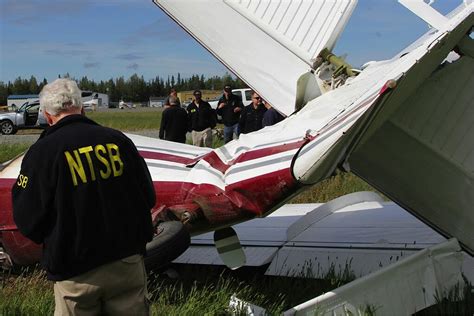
(134, 89)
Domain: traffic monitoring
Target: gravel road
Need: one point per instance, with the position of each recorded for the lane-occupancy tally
(29, 137)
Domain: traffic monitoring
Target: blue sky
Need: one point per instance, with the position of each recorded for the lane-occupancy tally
(106, 39)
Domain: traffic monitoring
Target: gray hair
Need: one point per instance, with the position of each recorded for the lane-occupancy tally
(173, 100)
(61, 95)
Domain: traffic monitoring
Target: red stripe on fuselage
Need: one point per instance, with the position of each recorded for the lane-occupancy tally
(6, 207)
(255, 195)
(166, 157)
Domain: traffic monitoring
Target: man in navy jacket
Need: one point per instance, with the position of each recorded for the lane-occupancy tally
(85, 193)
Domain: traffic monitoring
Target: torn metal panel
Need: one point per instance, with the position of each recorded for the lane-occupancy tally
(422, 155)
(403, 288)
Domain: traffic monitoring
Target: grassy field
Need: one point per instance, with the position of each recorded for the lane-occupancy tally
(128, 120)
(198, 291)
(8, 151)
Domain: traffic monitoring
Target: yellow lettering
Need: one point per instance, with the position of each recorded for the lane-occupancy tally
(25, 182)
(117, 164)
(98, 149)
(75, 165)
(22, 181)
(86, 151)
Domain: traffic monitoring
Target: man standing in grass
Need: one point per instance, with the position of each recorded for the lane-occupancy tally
(85, 193)
(202, 119)
(174, 122)
(229, 107)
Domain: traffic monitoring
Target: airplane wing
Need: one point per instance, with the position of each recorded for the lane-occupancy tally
(268, 44)
(358, 231)
(418, 148)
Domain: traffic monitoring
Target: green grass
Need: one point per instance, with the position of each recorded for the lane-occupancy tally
(331, 188)
(9, 151)
(28, 294)
(207, 290)
(198, 291)
(128, 120)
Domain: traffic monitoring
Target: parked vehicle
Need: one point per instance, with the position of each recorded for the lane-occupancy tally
(243, 94)
(27, 116)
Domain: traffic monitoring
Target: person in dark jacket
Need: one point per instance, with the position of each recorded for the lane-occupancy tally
(252, 115)
(85, 193)
(229, 108)
(174, 122)
(271, 116)
(202, 119)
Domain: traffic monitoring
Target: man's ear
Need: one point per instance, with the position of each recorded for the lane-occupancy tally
(48, 117)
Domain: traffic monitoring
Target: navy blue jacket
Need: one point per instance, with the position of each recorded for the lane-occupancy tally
(271, 117)
(202, 117)
(229, 117)
(174, 124)
(86, 194)
(251, 118)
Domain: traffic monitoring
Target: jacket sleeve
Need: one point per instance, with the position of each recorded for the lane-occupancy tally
(142, 174)
(218, 110)
(242, 120)
(238, 103)
(213, 118)
(33, 210)
(190, 120)
(147, 183)
(162, 125)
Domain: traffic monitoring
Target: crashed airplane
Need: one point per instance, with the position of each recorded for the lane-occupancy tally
(404, 125)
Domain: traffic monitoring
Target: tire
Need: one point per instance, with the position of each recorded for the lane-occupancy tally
(7, 127)
(171, 240)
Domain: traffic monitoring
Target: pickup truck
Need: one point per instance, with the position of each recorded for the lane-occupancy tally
(243, 94)
(27, 116)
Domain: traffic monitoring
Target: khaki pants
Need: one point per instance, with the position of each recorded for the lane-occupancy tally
(116, 288)
(203, 138)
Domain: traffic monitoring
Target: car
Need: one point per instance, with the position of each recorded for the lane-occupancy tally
(28, 116)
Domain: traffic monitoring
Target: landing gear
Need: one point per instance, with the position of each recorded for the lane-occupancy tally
(170, 241)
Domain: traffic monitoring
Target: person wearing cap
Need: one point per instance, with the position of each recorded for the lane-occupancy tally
(174, 122)
(252, 115)
(229, 108)
(173, 93)
(201, 120)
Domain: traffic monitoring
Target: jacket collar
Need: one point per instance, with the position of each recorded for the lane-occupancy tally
(67, 120)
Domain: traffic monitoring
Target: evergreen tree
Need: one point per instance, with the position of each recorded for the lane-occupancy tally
(134, 89)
